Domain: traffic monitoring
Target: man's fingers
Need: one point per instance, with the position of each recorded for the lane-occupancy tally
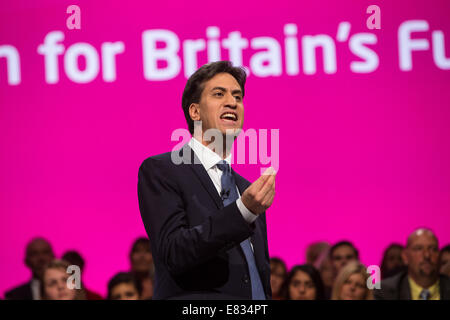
(269, 185)
(258, 184)
(268, 198)
(267, 174)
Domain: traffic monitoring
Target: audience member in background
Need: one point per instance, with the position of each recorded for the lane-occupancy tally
(142, 266)
(342, 253)
(278, 273)
(421, 281)
(444, 261)
(38, 253)
(315, 251)
(124, 286)
(54, 283)
(74, 258)
(392, 262)
(303, 283)
(351, 283)
(327, 275)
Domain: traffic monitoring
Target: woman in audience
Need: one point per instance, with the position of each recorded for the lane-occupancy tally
(124, 286)
(142, 266)
(351, 283)
(303, 283)
(327, 274)
(54, 283)
(278, 273)
(392, 262)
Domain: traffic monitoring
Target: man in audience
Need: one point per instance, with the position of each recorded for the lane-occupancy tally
(342, 253)
(38, 254)
(422, 280)
(74, 258)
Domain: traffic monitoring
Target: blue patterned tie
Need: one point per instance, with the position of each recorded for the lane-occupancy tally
(425, 294)
(229, 195)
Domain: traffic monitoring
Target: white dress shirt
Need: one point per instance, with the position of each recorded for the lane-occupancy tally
(209, 160)
(36, 289)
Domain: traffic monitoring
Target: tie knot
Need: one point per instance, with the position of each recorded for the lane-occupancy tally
(223, 166)
(425, 294)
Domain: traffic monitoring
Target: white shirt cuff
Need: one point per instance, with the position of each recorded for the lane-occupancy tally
(247, 214)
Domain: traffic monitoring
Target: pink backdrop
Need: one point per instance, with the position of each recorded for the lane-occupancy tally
(363, 156)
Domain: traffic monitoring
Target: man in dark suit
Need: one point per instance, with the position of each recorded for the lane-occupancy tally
(206, 223)
(37, 255)
(422, 280)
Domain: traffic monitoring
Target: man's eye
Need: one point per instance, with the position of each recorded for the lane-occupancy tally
(218, 93)
(238, 98)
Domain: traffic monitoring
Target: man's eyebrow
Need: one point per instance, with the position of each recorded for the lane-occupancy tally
(224, 90)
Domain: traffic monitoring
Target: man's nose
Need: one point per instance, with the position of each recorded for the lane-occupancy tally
(231, 101)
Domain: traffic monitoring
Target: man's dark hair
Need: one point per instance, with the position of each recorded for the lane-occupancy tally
(124, 277)
(343, 243)
(196, 83)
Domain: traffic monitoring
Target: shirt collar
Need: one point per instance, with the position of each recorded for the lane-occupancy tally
(416, 289)
(207, 157)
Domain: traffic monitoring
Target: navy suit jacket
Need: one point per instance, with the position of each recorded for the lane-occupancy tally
(194, 238)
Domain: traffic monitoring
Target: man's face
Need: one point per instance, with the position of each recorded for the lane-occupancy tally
(220, 105)
(38, 255)
(422, 255)
(341, 256)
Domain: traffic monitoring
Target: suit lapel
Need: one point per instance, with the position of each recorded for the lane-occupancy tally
(203, 176)
(405, 290)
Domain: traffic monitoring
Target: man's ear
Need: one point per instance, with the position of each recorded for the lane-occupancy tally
(194, 111)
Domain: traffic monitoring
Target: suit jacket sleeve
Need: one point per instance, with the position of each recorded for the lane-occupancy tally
(178, 245)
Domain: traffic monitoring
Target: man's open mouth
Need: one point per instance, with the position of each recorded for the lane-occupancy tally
(229, 116)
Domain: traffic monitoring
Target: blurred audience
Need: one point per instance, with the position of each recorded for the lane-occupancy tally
(141, 260)
(303, 283)
(392, 262)
(418, 271)
(326, 271)
(278, 273)
(351, 283)
(444, 261)
(342, 253)
(421, 281)
(54, 283)
(74, 258)
(38, 254)
(124, 286)
(315, 251)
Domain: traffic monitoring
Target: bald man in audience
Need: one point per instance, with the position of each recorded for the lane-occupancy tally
(38, 254)
(422, 280)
